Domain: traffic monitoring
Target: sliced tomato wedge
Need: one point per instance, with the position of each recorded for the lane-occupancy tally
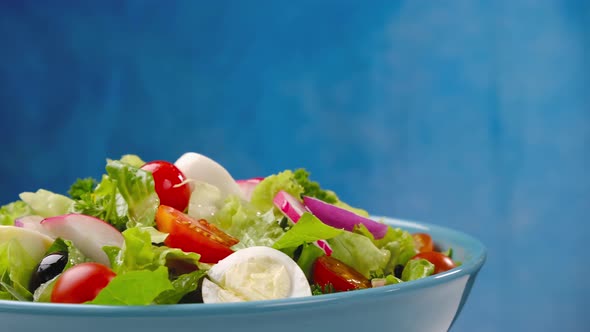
(423, 242)
(194, 235)
(329, 270)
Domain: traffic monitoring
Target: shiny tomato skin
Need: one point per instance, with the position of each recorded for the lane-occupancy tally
(193, 235)
(211, 252)
(329, 270)
(423, 242)
(170, 184)
(441, 262)
(81, 283)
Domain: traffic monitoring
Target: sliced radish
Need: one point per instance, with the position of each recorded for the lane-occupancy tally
(87, 233)
(33, 242)
(247, 186)
(340, 218)
(32, 223)
(294, 209)
(289, 205)
(324, 246)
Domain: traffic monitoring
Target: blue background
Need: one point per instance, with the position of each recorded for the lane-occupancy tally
(469, 114)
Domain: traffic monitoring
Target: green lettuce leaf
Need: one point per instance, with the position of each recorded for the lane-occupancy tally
(245, 222)
(391, 280)
(267, 189)
(16, 268)
(417, 269)
(132, 160)
(164, 256)
(308, 229)
(139, 258)
(136, 186)
(81, 187)
(46, 203)
(105, 203)
(397, 241)
(124, 198)
(138, 253)
(205, 201)
(297, 241)
(312, 188)
(156, 236)
(183, 285)
(359, 252)
(135, 288)
(309, 254)
(386, 280)
(12, 211)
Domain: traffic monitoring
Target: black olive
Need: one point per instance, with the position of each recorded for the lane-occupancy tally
(398, 270)
(49, 267)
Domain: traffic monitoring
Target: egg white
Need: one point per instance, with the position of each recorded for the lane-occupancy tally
(198, 167)
(274, 275)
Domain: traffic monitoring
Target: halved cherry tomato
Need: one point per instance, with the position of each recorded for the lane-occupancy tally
(81, 283)
(193, 235)
(329, 270)
(441, 262)
(423, 242)
(170, 184)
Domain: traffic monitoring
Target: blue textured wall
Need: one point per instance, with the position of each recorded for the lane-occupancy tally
(470, 114)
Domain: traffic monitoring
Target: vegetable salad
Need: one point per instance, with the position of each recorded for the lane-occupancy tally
(187, 232)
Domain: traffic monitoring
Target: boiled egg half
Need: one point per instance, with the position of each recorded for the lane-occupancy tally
(198, 167)
(254, 274)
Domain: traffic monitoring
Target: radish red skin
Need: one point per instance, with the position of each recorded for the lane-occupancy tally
(340, 218)
(289, 205)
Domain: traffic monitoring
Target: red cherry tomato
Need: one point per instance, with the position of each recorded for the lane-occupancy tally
(193, 235)
(423, 242)
(81, 283)
(441, 262)
(167, 180)
(329, 270)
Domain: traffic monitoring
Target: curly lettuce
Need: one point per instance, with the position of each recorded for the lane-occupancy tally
(265, 191)
(10, 212)
(126, 196)
(46, 204)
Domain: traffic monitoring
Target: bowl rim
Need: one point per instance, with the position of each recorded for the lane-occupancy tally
(471, 265)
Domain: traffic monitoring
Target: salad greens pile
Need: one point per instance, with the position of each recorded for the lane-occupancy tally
(150, 272)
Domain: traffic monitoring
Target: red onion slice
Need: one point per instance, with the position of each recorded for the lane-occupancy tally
(340, 218)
